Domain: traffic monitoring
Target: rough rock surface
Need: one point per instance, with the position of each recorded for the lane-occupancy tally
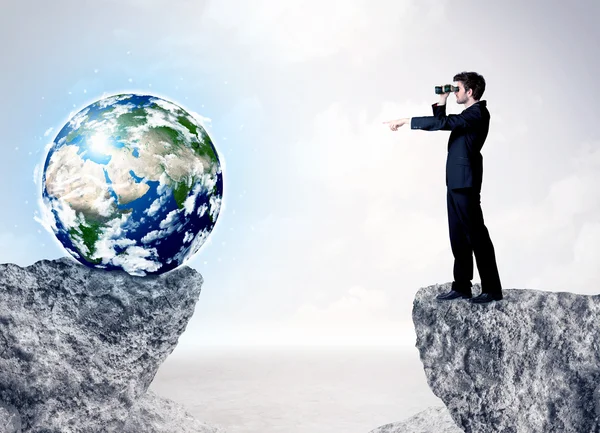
(79, 346)
(528, 363)
(155, 414)
(10, 420)
(150, 414)
(432, 420)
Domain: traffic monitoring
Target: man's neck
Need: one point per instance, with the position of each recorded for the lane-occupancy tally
(470, 102)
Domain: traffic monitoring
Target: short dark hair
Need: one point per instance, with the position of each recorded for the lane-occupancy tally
(472, 80)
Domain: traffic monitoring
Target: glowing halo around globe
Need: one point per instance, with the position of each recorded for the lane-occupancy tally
(134, 183)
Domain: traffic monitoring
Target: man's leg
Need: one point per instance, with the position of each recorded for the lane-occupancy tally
(468, 208)
(461, 247)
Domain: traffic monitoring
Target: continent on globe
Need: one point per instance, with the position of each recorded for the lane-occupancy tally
(132, 182)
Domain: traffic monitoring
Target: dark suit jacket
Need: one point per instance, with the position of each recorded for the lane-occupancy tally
(464, 165)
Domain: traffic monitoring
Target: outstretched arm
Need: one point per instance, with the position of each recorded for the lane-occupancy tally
(444, 122)
(439, 111)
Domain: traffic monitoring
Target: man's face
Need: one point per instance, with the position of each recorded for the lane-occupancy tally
(461, 95)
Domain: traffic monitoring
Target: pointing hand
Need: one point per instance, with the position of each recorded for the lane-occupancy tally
(395, 124)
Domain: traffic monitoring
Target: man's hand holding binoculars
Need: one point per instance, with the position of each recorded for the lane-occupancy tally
(444, 92)
(443, 98)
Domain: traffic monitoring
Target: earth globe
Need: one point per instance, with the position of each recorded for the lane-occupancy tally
(132, 182)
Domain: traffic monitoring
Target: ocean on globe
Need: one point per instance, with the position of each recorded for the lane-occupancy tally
(134, 183)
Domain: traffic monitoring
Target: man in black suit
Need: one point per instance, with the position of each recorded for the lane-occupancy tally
(464, 175)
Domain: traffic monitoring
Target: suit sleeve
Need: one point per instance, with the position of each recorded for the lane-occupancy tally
(438, 110)
(441, 121)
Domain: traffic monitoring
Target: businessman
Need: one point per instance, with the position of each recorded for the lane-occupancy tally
(464, 175)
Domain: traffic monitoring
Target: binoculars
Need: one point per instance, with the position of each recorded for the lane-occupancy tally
(447, 89)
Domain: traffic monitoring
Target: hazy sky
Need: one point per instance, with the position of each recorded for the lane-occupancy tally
(331, 222)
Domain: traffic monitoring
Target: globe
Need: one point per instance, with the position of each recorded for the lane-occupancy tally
(134, 183)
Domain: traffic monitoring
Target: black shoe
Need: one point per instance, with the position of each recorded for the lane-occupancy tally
(486, 297)
(453, 294)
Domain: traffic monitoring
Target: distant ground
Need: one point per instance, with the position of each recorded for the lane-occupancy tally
(278, 390)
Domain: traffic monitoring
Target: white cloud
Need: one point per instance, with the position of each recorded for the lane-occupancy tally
(64, 213)
(46, 218)
(117, 111)
(73, 253)
(163, 185)
(78, 119)
(38, 169)
(205, 122)
(190, 201)
(215, 206)
(202, 209)
(48, 131)
(156, 205)
(138, 260)
(168, 225)
(153, 235)
(123, 242)
(186, 252)
(110, 100)
(166, 105)
(112, 235)
(168, 221)
(37, 175)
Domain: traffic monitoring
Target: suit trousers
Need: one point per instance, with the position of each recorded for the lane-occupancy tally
(468, 235)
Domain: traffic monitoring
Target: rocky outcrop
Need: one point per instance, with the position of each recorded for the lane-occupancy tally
(80, 346)
(150, 414)
(432, 420)
(528, 363)
(155, 414)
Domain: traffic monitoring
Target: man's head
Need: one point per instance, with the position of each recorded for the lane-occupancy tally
(471, 86)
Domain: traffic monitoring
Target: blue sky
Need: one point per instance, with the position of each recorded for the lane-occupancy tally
(331, 222)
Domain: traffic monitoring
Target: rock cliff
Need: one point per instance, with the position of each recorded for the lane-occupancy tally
(80, 346)
(432, 420)
(528, 363)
